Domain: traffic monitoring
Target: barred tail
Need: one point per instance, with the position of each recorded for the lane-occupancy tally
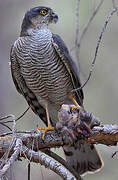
(83, 159)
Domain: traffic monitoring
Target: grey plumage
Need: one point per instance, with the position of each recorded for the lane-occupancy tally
(43, 71)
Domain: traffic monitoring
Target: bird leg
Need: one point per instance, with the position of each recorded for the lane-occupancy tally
(49, 128)
(77, 106)
(75, 102)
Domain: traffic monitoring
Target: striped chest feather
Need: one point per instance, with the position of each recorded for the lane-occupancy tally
(42, 68)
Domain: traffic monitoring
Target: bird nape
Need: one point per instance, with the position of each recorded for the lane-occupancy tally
(45, 74)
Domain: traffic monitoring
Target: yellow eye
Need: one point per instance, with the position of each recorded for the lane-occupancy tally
(43, 12)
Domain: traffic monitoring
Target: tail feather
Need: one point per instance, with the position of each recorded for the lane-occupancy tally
(83, 159)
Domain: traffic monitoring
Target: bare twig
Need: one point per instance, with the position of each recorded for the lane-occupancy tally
(5, 126)
(114, 5)
(6, 154)
(23, 114)
(29, 167)
(18, 132)
(14, 126)
(3, 123)
(77, 32)
(12, 159)
(48, 162)
(78, 38)
(89, 22)
(6, 117)
(77, 21)
(9, 116)
(97, 47)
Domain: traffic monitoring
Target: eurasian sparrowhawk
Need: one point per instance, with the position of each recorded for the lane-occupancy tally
(45, 74)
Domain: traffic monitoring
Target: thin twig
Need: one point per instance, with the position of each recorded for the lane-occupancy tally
(29, 167)
(18, 132)
(9, 116)
(14, 120)
(12, 159)
(96, 50)
(6, 154)
(114, 5)
(5, 126)
(89, 22)
(6, 117)
(23, 113)
(77, 32)
(14, 126)
(77, 21)
(77, 38)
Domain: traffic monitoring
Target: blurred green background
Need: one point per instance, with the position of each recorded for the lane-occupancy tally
(101, 92)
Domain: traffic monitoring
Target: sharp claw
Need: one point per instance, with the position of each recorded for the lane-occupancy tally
(49, 128)
(75, 107)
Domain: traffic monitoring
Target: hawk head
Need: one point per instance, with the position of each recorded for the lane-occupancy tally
(36, 17)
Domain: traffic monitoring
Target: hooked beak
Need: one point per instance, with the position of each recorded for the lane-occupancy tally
(54, 18)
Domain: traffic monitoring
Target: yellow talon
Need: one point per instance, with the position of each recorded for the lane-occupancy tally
(75, 102)
(77, 106)
(74, 107)
(49, 128)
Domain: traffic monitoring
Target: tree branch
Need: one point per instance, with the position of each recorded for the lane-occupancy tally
(105, 134)
(13, 157)
(73, 128)
(48, 162)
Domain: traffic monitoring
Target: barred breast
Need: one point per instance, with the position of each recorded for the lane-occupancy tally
(42, 68)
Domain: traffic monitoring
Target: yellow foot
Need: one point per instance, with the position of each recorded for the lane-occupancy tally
(75, 103)
(75, 107)
(49, 128)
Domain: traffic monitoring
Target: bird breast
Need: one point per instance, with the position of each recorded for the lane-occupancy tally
(42, 68)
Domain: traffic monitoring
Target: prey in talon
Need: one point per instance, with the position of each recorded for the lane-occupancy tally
(77, 120)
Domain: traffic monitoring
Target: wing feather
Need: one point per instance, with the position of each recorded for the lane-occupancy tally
(63, 52)
(23, 89)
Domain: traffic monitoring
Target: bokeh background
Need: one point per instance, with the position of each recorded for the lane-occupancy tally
(101, 92)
